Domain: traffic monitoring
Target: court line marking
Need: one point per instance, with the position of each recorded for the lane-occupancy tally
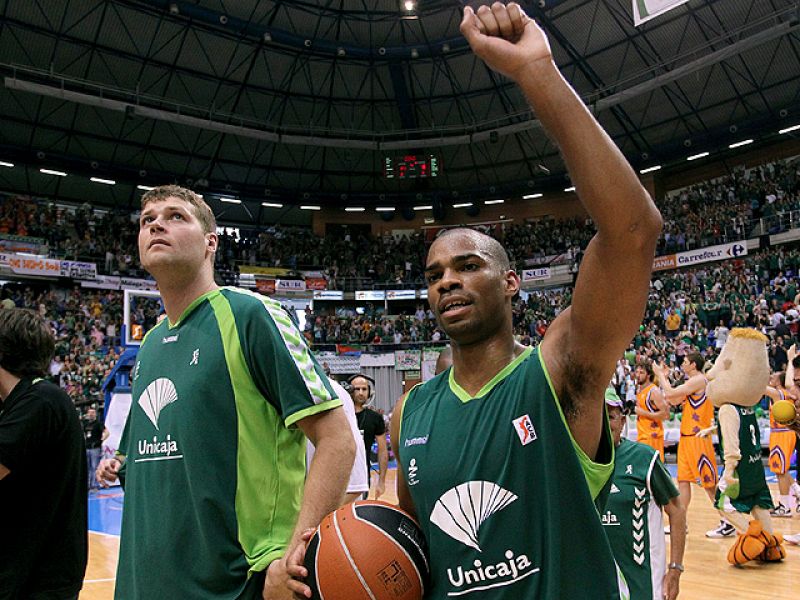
(99, 580)
(104, 534)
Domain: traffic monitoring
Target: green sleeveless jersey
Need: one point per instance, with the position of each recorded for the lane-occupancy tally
(214, 468)
(633, 519)
(753, 490)
(503, 493)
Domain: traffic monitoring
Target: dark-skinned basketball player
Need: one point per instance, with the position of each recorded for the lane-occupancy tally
(503, 456)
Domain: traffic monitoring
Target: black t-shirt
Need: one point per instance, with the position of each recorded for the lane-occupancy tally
(93, 432)
(370, 424)
(43, 500)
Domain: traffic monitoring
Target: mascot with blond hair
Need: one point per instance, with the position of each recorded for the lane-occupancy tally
(736, 383)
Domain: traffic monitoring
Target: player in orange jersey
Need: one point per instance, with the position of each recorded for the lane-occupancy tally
(696, 459)
(651, 408)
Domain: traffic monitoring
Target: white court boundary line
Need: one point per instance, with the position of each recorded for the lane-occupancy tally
(103, 534)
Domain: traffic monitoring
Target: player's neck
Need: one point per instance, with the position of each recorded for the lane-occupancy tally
(7, 384)
(475, 365)
(177, 298)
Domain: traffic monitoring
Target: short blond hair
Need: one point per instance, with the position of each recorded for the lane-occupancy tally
(201, 210)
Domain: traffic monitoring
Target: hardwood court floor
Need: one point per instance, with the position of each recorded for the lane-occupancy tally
(708, 575)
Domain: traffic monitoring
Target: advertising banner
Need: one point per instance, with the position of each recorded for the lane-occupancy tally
(407, 360)
(290, 285)
(536, 274)
(316, 283)
(266, 286)
(699, 256)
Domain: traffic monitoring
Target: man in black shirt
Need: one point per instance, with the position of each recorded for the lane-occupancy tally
(371, 426)
(43, 540)
(93, 434)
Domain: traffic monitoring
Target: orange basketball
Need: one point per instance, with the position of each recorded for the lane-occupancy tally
(367, 550)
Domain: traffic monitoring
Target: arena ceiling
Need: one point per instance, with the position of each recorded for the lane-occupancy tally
(299, 102)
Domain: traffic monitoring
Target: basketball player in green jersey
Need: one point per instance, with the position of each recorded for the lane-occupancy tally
(633, 522)
(224, 389)
(503, 454)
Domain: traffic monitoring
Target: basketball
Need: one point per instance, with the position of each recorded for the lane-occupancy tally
(367, 550)
(784, 411)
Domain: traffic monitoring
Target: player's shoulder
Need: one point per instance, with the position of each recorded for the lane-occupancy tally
(247, 304)
(49, 397)
(423, 394)
(638, 448)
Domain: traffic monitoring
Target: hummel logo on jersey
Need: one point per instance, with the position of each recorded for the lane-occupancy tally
(195, 356)
(628, 469)
(524, 429)
(168, 339)
(614, 489)
(461, 510)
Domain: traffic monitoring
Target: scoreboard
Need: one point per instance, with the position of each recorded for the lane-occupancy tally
(411, 166)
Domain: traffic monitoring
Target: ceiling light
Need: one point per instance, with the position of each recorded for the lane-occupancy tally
(696, 156)
(409, 5)
(145, 188)
(384, 209)
(788, 129)
(570, 189)
(230, 200)
(462, 205)
(309, 207)
(531, 196)
(423, 207)
(103, 181)
(6, 164)
(493, 201)
(355, 209)
(742, 143)
(650, 169)
(272, 205)
(51, 172)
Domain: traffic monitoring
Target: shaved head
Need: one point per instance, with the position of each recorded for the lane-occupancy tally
(486, 244)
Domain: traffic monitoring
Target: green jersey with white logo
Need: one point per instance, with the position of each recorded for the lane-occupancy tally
(633, 519)
(214, 468)
(753, 490)
(503, 493)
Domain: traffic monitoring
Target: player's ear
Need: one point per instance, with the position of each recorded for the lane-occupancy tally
(513, 283)
(212, 242)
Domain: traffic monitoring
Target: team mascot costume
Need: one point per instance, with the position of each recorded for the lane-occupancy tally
(736, 383)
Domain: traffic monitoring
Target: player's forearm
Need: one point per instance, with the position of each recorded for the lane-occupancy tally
(326, 482)
(383, 466)
(604, 180)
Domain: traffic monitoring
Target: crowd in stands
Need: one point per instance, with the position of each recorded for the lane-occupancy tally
(687, 309)
(729, 208)
(86, 325)
(347, 327)
(695, 309)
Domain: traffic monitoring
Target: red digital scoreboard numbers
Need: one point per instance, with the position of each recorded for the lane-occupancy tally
(411, 166)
